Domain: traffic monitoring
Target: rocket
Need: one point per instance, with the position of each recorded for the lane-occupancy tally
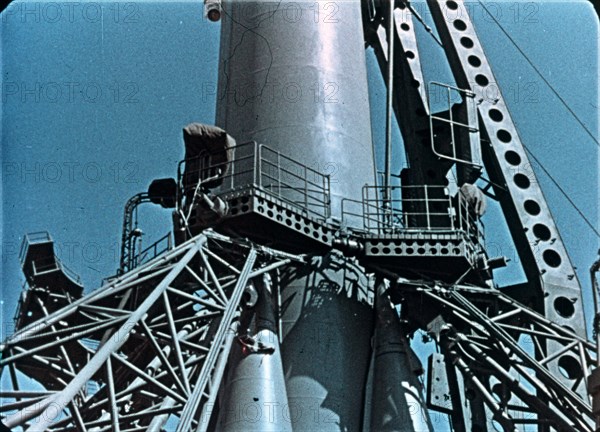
(397, 395)
(255, 394)
(292, 76)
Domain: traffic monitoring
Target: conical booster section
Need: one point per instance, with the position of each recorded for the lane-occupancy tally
(255, 397)
(397, 403)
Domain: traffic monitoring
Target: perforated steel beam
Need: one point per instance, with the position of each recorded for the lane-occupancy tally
(552, 282)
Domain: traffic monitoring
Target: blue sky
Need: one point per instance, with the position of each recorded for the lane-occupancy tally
(94, 97)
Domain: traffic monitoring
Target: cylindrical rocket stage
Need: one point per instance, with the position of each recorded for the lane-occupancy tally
(327, 327)
(293, 77)
(397, 403)
(254, 396)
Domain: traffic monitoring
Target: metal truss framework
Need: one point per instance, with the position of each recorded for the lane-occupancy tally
(498, 346)
(155, 341)
(491, 141)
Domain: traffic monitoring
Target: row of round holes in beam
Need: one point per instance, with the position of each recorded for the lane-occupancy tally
(569, 366)
(540, 231)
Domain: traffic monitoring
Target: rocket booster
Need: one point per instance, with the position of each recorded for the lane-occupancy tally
(255, 394)
(293, 76)
(397, 403)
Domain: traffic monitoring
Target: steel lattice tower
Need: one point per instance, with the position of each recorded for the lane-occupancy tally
(289, 295)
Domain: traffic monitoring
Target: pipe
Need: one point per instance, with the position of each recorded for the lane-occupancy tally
(389, 108)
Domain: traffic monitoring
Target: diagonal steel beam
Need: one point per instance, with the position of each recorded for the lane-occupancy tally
(126, 281)
(63, 398)
(218, 348)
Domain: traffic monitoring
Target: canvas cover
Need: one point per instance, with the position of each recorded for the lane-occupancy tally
(208, 152)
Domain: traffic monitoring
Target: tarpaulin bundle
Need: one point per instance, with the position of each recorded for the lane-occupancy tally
(208, 152)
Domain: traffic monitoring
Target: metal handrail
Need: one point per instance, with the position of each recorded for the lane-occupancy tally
(256, 165)
(430, 209)
(45, 265)
(153, 250)
(312, 194)
(44, 237)
(68, 271)
(468, 96)
(32, 238)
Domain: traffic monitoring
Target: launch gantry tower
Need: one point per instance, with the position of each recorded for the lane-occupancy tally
(288, 297)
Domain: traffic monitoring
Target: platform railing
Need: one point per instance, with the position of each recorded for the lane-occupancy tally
(44, 265)
(352, 210)
(256, 165)
(293, 181)
(453, 125)
(423, 208)
(47, 264)
(32, 238)
(157, 248)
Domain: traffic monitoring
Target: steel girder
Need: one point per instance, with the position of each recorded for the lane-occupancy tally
(494, 343)
(154, 342)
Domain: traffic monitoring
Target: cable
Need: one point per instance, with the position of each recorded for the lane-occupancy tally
(563, 192)
(541, 76)
(568, 109)
(420, 19)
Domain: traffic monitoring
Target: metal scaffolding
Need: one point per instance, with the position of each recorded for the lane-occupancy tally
(154, 340)
(166, 339)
